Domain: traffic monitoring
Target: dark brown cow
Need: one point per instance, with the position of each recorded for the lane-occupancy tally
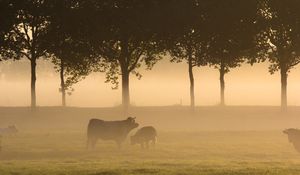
(294, 137)
(109, 130)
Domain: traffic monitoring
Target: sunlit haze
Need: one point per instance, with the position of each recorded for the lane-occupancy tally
(166, 84)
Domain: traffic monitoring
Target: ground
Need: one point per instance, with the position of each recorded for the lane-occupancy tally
(56, 150)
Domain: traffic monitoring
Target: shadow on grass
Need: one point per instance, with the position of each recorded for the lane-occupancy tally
(145, 171)
(141, 171)
(106, 173)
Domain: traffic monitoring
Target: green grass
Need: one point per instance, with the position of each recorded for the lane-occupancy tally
(180, 153)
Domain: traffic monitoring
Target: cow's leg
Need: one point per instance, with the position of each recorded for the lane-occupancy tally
(147, 144)
(142, 145)
(88, 144)
(153, 142)
(119, 144)
(93, 142)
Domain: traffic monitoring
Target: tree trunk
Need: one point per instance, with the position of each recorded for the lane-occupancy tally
(222, 84)
(284, 76)
(62, 84)
(124, 63)
(33, 81)
(191, 76)
(125, 90)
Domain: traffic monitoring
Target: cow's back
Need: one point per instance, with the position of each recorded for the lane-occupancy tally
(106, 129)
(148, 132)
(93, 126)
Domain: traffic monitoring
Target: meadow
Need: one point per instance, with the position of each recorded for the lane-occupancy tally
(58, 148)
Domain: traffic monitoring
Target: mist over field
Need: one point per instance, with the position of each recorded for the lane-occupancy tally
(166, 84)
(245, 137)
(131, 87)
(214, 140)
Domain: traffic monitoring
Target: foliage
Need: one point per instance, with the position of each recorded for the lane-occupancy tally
(128, 42)
(279, 41)
(25, 38)
(120, 36)
(7, 18)
(233, 27)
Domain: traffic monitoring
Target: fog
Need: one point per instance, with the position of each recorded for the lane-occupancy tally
(236, 139)
(162, 123)
(166, 84)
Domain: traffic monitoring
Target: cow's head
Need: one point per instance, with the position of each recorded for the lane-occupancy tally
(131, 119)
(131, 123)
(293, 134)
(13, 128)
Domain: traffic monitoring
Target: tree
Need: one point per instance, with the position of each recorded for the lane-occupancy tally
(26, 36)
(279, 42)
(7, 18)
(191, 47)
(70, 72)
(124, 40)
(63, 42)
(232, 35)
(123, 57)
(186, 39)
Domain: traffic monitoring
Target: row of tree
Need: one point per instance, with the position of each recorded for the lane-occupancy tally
(118, 36)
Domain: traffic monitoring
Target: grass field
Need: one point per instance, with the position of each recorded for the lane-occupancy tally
(218, 153)
(55, 150)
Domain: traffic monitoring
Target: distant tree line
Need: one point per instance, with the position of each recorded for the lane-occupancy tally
(118, 36)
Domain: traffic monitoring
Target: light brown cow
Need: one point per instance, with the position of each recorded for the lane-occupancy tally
(144, 136)
(10, 130)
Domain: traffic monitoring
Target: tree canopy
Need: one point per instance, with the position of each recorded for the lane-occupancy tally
(119, 36)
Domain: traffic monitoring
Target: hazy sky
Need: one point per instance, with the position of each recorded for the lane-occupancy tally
(166, 84)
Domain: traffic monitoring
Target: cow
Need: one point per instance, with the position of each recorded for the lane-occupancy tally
(143, 137)
(294, 137)
(109, 130)
(10, 130)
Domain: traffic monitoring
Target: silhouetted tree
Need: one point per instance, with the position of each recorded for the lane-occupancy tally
(8, 19)
(124, 56)
(191, 47)
(64, 44)
(279, 41)
(70, 72)
(187, 41)
(124, 40)
(25, 37)
(233, 27)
